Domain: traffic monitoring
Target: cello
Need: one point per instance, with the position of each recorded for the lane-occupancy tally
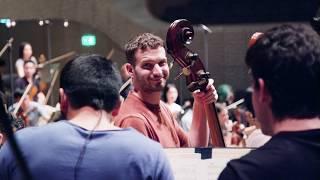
(180, 33)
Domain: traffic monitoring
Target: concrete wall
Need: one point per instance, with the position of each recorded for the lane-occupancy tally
(116, 21)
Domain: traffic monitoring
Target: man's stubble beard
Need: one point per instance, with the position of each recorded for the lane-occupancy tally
(154, 88)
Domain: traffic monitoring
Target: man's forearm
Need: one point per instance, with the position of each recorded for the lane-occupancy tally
(198, 134)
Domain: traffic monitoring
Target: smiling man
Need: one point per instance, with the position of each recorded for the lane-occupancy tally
(143, 109)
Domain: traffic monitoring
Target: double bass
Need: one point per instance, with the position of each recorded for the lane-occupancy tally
(180, 34)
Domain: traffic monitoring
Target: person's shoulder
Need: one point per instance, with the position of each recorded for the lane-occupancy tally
(131, 110)
(145, 153)
(19, 61)
(30, 133)
(177, 106)
(132, 104)
(269, 157)
(129, 118)
(130, 137)
(248, 166)
(274, 159)
(20, 80)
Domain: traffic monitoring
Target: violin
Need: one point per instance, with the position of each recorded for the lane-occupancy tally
(35, 90)
(180, 33)
(21, 120)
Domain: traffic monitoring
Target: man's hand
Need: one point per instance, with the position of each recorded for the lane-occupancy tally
(207, 97)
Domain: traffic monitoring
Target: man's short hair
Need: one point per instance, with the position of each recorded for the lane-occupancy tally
(91, 80)
(287, 58)
(141, 41)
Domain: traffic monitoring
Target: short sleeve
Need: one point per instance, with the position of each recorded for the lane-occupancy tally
(134, 122)
(228, 173)
(19, 67)
(19, 63)
(243, 169)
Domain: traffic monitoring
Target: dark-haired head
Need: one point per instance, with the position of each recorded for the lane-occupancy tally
(287, 58)
(22, 49)
(91, 80)
(170, 93)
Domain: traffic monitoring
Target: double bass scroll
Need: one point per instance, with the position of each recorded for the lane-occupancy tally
(179, 34)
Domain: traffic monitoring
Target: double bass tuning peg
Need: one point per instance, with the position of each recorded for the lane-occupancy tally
(185, 71)
(204, 75)
(187, 35)
(192, 56)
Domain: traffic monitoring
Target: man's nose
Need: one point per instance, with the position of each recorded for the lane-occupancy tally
(157, 69)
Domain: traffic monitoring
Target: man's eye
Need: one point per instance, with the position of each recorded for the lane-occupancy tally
(147, 66)
(162, 63)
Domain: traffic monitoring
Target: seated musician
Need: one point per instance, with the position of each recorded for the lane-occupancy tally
(31, 112)
(254, 137)
(143, 109)
(29, 68)
(285, 67)
(25, 54)
(170, 96)
(225, 123)
(87, 145)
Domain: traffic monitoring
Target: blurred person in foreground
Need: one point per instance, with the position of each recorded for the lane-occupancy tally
(285, 67)
(87, 145)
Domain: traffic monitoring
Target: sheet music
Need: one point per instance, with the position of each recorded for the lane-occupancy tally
(188, 165)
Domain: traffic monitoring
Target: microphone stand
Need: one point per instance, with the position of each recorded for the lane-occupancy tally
(9, 47)
(9, 43)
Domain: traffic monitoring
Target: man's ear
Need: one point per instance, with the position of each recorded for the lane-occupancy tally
(63, 102)
(129, 68)
(1, 139)
(264, 94)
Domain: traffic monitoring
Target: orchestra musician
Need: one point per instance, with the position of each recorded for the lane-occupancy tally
(87, 145)
(225, 123)
(37, 91)
(285, 67)
(143, 108)
(237, 128)
(25, 54)
(31, 112)
(170, 96)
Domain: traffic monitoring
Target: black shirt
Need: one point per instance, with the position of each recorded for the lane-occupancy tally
(288, 155)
